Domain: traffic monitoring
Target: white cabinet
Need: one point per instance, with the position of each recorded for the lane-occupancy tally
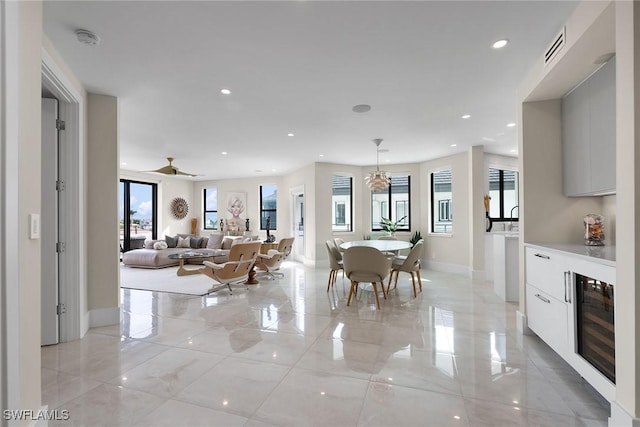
(547, 296)
(547, 317)
(589, 135)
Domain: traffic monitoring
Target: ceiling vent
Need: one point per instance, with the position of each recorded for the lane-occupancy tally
(557, 45)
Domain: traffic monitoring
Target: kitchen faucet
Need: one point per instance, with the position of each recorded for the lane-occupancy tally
(511, 217)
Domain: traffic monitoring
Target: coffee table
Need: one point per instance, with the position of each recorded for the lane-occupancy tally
(193, 255)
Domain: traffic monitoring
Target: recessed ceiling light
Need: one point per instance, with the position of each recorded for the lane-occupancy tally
(225, 91)
(273, 170)
(290, 134)
(510, 125)
(224, 153)
(466, 116)
(321, 155)
(513, 151)
(123, 163)
(487, 139)
(500, 44)
(361, 108)
(454, 145)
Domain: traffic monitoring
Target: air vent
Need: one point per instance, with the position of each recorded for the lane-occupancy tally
(556, 46)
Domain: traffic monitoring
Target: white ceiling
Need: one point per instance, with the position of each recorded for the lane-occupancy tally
(299, 67)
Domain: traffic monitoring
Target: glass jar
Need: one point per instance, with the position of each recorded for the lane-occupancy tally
(593, 230)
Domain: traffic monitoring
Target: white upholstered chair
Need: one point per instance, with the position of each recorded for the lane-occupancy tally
(366, 264)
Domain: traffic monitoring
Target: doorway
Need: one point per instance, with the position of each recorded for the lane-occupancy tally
(138, 213)
(297, 204)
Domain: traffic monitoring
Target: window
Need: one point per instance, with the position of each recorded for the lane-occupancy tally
(138, 213)
(210, 208)
(503, 189)
(268, 205)
(393, 203)
(341, 202)
(441, 202)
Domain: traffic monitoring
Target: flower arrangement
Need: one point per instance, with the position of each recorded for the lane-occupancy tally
(390, 226)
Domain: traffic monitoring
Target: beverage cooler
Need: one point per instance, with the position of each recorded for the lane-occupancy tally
(595, 332)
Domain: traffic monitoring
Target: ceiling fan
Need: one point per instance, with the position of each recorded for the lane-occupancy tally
(171, 170)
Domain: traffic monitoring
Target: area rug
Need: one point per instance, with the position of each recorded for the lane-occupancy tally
(164, 280)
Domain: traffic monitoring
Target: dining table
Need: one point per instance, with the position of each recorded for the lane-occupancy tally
(381, 245)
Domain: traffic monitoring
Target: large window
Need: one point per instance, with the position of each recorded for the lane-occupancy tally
(341, 202)
(441, 202)
(393, 203)
(268, 205)
(503, 189)
(211, 208)
(138, 213)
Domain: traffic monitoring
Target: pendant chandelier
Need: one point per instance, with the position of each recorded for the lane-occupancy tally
(378, 180)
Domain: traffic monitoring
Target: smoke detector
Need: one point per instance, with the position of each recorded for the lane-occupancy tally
(87, 37)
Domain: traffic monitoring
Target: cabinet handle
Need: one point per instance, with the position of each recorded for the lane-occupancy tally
(567, 286)
(542, 256)
(543, 298)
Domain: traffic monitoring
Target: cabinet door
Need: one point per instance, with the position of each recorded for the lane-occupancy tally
(576, 159)
(547, 317)
(544, 271)
(602, 125)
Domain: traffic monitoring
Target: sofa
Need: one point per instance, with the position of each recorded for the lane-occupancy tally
(156, 255)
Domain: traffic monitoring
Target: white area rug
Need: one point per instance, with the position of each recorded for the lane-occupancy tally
(165, 280)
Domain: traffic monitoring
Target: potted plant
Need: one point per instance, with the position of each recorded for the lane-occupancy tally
(415, 238)
(390, 226)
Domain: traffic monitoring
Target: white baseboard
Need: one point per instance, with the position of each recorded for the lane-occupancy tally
(521, 323)
(104, 317)
(620, 417)
(478, 275)
(446, 268)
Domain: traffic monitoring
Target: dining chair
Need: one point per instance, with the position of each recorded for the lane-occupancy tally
(334, 263)
(338, 241)
(366, 264)
(409, 264)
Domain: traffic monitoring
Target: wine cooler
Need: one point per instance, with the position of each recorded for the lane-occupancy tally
(594, 322)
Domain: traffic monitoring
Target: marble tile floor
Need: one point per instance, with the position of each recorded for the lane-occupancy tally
(287, 353)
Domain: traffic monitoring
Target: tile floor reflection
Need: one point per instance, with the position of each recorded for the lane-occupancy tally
(286, 353)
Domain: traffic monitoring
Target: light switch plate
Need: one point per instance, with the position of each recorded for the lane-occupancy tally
(34, 226)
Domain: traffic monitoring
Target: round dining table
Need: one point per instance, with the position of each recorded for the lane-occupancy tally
(381, 245)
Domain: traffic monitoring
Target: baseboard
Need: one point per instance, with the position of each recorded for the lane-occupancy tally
(478, 275)
(521, 324)
(446, 268)
(104, 317)
(621, 418)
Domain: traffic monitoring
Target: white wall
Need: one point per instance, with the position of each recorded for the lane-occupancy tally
(448, 252)
(102, 210)
(29, 159)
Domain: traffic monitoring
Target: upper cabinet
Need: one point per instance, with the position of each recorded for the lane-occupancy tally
(589, 135)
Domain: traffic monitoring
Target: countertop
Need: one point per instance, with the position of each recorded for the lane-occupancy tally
(605, 255)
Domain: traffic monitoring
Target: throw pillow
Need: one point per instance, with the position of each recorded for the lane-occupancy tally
(227, 242)
(215, 241)
(184, 242)
(148, 244)
(195, 242)
(172, 242)
(160, 246)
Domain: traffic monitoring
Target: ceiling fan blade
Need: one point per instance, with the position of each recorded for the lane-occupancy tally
(178, 172)
(167, 170)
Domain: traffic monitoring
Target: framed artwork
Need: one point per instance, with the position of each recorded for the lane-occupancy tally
(236, 211)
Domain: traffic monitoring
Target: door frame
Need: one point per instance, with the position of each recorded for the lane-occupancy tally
(293, 195)
(73, 276)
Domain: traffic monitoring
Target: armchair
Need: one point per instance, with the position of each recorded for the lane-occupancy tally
(242, 256)
(270, 262)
